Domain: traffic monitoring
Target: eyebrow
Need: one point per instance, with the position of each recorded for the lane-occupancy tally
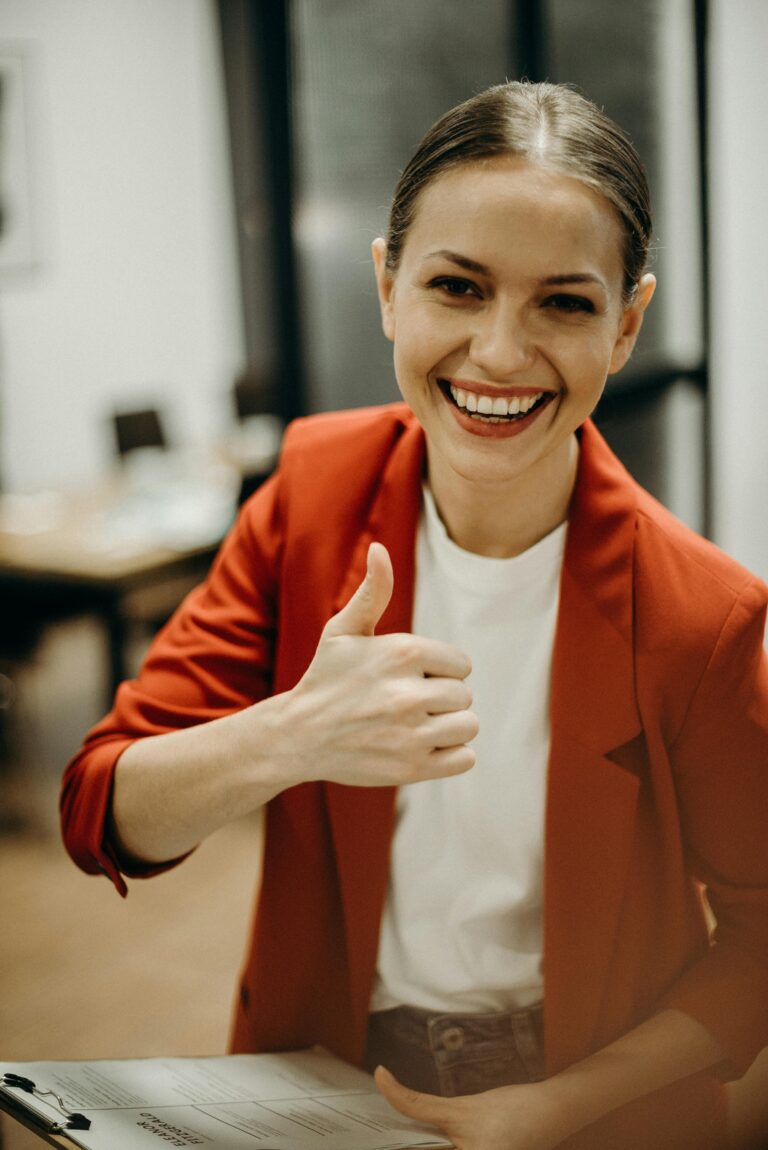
(480, 269)
(574, 278)
(462, 261)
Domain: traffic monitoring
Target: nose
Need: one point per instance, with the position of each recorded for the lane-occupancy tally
(500, 343)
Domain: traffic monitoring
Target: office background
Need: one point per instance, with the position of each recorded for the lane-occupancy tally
(189, 189)
(145, 238)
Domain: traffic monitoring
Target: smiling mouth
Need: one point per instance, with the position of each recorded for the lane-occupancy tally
(498, 409)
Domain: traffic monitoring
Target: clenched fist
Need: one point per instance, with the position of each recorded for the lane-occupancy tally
(381, 710)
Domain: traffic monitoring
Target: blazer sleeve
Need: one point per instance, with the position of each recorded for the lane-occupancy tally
(215, 656)
(721, 765)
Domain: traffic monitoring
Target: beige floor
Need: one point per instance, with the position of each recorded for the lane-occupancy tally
(86, 974)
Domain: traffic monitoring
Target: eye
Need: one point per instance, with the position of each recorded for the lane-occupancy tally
(570, 303)
(455, 286)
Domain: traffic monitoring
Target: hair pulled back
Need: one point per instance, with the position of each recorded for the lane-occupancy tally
(549, 124)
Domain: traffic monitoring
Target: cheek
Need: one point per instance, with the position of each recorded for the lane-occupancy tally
(411, 367)
(433, 333)
(417, 342)
(586, 359)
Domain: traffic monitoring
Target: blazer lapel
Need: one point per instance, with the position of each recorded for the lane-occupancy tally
(591, 799)
(362, 818)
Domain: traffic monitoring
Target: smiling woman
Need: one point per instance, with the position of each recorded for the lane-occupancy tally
(507, 289)
(467, 591)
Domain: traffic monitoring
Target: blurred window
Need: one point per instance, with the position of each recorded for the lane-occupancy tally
(368, 80)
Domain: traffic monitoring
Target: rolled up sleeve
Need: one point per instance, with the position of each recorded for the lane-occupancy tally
(214, 656)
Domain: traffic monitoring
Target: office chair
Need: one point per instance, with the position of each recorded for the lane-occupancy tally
(149, 607)
(255, 404)
(135, 429)
(254, 394)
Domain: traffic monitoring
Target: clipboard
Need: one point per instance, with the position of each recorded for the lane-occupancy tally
(298, 1100)
(21, 1114)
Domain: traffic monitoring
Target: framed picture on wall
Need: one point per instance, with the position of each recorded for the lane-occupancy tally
(17, 232)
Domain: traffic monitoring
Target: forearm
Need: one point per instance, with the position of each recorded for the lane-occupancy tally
(667, 1047)
(369, 711)
(543, 1115)
(172, 790)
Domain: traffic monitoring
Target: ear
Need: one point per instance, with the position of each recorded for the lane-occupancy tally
(385, 285)
(631, 322)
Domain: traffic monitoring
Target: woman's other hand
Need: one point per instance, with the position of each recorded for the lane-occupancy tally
(508, 1118)
(379, 710)
(665, 1048)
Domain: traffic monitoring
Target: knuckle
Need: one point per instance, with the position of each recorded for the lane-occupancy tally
(398, 699)
(364, 595)
(400, 744)
(403, 649)
(408, 771)
(462, 761)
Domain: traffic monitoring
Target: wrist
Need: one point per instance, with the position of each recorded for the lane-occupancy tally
(269, 746)
(561, 1117)
(663, 1049)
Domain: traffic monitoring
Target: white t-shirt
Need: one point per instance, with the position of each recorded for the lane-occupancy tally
(463, 922)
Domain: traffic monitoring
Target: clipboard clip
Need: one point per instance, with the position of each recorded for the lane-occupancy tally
(74, 1121)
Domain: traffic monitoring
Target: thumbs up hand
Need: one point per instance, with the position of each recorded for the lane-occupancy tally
(379, 710)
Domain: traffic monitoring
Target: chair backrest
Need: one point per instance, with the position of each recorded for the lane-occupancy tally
(254, 394)
(134, 429)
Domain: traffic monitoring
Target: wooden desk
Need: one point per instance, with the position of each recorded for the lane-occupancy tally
(100, 550)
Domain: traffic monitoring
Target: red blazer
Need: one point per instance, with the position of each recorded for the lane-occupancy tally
(658, 773)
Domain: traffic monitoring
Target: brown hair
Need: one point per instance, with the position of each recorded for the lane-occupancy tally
(551, 124)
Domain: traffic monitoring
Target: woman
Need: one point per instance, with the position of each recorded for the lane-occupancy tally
(521, 937)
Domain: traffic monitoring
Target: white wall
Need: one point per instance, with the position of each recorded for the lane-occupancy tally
(738, 98)
(134, 296)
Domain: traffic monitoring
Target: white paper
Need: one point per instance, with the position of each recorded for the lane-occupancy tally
(295, 1101)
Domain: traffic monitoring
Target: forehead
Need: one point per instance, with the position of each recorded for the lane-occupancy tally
(508, 207)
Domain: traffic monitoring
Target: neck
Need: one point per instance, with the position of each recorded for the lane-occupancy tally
(503, 518)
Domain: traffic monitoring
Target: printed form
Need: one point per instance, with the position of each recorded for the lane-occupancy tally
(294, 1101)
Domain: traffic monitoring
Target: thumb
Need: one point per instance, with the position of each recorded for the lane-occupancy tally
(429, 1108)
(369, 602)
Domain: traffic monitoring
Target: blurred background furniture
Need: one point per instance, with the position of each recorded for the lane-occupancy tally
(125, 549)
(254, 394)
(18, 643)
(142, 433)
(138, 429)
(254, 442)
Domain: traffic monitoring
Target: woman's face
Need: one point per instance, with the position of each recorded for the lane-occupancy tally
(506, 314)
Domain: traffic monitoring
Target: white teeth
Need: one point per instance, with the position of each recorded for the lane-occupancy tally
(497, 407)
